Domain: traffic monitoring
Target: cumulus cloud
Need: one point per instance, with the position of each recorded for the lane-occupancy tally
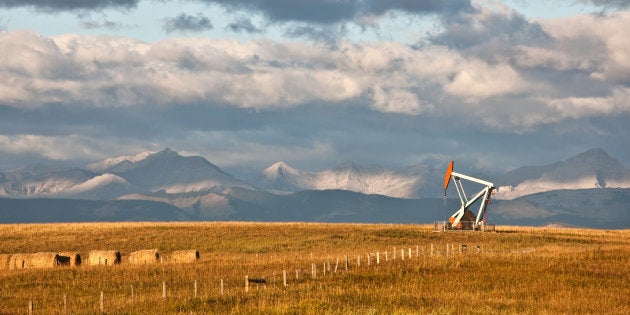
(479, 80)
(579, 107)
(184, 22)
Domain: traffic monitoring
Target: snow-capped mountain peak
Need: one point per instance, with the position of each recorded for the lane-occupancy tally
(105, 164)
(99, 181)
(405, 183)
(102, 187)
(591, 169)
(168, 171)
(279, 169)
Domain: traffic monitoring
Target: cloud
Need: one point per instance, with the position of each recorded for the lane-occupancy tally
(69, 5)
(184, 22)
(325, 34)
(547, 70)
(619, 4)
(243, 24)
(106, 24)
(339, 11)
(490, 32)
(378, 7)
(236, 149)
(51, 147)
(579, 107)
(596, 44)
(479, 80)
(310, 11)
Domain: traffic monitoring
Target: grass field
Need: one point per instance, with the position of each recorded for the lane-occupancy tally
(513, 270)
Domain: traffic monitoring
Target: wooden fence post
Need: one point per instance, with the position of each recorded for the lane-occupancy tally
(221, 286)
(102, 303)
(246, 284)
(378, 258)
(195, 288)
(336, 264)
(133, 298)
(394, 256)
(284, 278)
(30, 307)
(163, 290)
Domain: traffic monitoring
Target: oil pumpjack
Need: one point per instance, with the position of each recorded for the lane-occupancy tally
(464, 218)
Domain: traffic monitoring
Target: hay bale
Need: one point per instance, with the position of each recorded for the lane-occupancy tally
(47, 260)
(19, 261)
(143, 257)
(184, 256)
(104, 257)
(35, 260)
(75, 258)
(4, 261)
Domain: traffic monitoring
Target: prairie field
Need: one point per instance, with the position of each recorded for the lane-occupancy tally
(328, 269)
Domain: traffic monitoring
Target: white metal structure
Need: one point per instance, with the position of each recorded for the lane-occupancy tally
(463, 218)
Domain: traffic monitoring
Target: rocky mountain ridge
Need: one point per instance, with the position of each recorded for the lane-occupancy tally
(587, 189)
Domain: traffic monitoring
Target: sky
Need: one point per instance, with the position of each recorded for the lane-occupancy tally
(492, 84)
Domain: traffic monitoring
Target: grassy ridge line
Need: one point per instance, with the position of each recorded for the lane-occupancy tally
(568, 271)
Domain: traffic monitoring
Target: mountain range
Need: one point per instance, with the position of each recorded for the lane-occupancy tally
(589, 189)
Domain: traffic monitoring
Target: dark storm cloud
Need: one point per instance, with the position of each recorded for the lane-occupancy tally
(68, 5)
(490, 35)
(309, 11)
(378, 7)
(324, 34)
(339, 11)
(243, 24)
(184, 22)
(619, 4)
(314, 11)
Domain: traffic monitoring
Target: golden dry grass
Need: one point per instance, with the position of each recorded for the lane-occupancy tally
(516, 270)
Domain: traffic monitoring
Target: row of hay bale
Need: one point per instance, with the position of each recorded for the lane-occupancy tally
(143, 257)
(95, 257)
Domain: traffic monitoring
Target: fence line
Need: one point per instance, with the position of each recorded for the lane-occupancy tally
(406, 258)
